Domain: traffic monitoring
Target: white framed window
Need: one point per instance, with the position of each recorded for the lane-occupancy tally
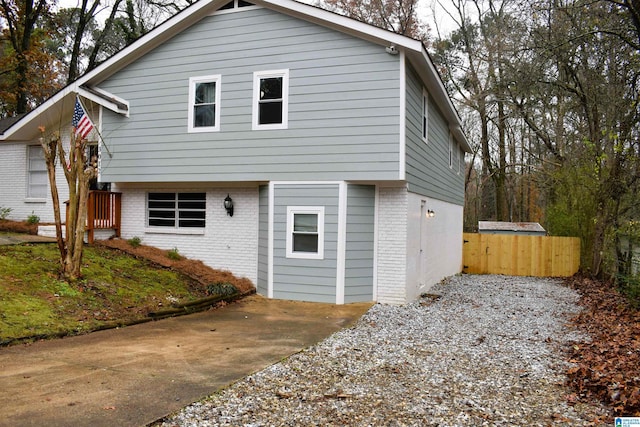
(450, 150)
(305, 232)
(37, 173)
(204, 104)
(176, 210)
(425, 115)
(460, 159)
(270, 99)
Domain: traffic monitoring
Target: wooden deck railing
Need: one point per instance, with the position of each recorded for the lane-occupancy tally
(103, 212)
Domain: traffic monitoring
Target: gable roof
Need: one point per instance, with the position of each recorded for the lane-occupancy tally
(62, 102)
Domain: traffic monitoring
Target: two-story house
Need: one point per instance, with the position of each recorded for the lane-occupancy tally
(335, 142)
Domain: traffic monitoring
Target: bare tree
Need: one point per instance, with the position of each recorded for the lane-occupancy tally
(78, 173)
(399, 16)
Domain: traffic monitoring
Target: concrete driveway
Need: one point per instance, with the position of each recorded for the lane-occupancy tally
(136, 375)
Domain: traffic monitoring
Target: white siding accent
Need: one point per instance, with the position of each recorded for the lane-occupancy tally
(402, 150)
(342, 244)
(270, 243)
(228, 243)
(14, 181)
(392, 245)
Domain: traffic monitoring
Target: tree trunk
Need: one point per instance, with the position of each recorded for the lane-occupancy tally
(50, 149)
(78, 175)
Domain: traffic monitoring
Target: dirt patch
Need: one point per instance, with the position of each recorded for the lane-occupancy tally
(194, 269)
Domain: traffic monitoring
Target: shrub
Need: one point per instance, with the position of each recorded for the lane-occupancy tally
(222, 289)
(173, 254)
(33, 219)
(4, 213)
(134, 241)
(629, 285)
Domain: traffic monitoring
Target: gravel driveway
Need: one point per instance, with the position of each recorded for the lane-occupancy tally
(486, 352)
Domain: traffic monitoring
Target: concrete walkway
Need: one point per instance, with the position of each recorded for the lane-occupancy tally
(18, 238)
(136, 375)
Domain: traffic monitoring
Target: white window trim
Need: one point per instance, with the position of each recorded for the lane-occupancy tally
(257, 76)
(217, 79)
(29, 197)
(450, 151)
(424, 116)
(291, 211)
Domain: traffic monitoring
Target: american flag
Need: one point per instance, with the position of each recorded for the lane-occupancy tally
(81, 123)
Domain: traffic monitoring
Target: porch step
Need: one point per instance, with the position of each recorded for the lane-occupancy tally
(48, 230)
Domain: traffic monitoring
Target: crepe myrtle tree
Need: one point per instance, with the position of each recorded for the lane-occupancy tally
(78, 173)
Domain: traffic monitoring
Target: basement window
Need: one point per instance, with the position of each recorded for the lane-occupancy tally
(176, 210)
(305, 232)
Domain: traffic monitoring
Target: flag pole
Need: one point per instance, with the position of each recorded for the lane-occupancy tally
(95, 128)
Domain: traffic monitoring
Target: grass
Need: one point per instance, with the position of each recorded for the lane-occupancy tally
(116, 288)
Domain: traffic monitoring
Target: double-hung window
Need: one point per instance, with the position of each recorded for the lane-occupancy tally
(450, 150)
(204, 104)
(37, 185)
(270, 99)
(176, 210)
(425, 115)
(305, 232)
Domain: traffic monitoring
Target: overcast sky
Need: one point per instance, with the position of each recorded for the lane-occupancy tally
(429, 11)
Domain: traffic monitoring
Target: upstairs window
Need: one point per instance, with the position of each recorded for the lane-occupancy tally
(450, 150)
(305, 232)
(270, 99)
(38, 179)
(204, 104)
(176, 210)
(425, 115)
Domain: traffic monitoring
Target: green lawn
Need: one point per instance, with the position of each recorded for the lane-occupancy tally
(116, 288)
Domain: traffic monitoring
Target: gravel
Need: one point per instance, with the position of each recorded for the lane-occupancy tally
(479, 350)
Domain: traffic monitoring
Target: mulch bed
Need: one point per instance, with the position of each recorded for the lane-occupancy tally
(192, 268)
(18, 227)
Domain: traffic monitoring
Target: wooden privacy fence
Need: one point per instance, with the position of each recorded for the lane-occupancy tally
(518, 255)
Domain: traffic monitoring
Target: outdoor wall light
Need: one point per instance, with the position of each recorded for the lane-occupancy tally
(228, 205)
(430, 213)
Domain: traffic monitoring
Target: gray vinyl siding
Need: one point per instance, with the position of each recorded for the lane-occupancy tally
(359, 245)
(343, 120)
(427, 164)
(263, 240)
(305, 279)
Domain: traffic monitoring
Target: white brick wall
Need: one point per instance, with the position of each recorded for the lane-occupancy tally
(441, 243)
(228, 243)
(13, 186)
(415, 253)
(392, 245)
